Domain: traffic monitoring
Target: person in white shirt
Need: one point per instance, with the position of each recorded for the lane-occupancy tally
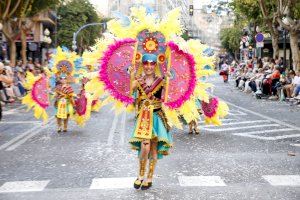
(296, 84)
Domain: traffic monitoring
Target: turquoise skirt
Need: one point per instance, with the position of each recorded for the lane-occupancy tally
(159, 133)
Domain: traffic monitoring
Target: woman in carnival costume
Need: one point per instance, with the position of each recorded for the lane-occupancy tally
(151, 135)
(162, 84)
(64, 103)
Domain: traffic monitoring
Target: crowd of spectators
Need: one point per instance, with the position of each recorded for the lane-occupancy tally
(266, 78)
(13, 90)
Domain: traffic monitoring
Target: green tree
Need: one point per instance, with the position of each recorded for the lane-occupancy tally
(230, 39)
(288, 16)
(250, 11)
(72, 16)
(14, 15)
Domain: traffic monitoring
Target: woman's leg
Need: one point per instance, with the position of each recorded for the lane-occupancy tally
(152, 163)
(144, 154)
(58, 120)
(195, 127)
(191, 127)
(66, 124)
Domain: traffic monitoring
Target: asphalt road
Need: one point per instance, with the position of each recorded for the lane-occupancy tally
(249, 157)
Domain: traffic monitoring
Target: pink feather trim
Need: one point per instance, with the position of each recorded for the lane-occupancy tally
(210, 109)
(103, 71)
(44, 105)
(186, 96)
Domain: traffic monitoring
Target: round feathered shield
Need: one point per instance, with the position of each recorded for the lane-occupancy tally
(39, 92)
(210, 108)
(183, 77)
(81, 104)
(114, 69)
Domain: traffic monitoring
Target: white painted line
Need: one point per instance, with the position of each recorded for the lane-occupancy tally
(264, 116)
(122, 132)
(242, 127)
(23, 186)
(242, 122)
(189, 181)
(295, 145)
(112, 183)
(222, 120)
(237, 113)
(264, 131)
(20, 122)
(3, 146)
(12, 111)
(286, 136)
(283, 180)
(36, 130)
(112, 130)
(270, 138)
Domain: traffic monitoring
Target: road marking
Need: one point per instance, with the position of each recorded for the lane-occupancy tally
(242, 127)
(242, 122)
(271, 138)
(264, 116)
(112, 183)
(112, 130)
(12, 111)
(189, 181)
(23, 186)
(283, 180)
(237, 113)
(33, 132)
(20, 122)
(264, 131)
(122, 132)
(295, 145)
(222, 120)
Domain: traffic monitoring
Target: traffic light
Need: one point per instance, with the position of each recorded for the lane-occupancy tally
(191, 10)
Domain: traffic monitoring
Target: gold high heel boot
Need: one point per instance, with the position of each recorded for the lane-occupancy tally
(138, 182)
(65, 125)
(59, 129)
(147, 185)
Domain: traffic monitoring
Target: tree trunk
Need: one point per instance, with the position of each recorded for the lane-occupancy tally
(236, 54)
(295, 50)
(24, 47)
(12, 52)
(275, 37)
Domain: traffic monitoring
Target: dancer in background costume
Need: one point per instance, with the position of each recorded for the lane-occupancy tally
(64, 68)
(64, 103)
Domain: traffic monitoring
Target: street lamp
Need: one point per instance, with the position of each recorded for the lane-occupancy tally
(74, 45)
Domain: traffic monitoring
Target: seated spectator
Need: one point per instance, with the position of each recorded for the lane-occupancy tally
(256, 81)
(249, 75)
(241, 78)
(296, 84)
(288, 86)
(267, 82)
(275, 77)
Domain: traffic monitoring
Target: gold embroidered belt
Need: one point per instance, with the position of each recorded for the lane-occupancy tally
(144, 124)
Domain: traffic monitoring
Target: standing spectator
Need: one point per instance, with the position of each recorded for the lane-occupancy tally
(224, 72)
(4, 79)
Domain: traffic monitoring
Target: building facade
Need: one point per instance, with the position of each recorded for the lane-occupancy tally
(161, 7)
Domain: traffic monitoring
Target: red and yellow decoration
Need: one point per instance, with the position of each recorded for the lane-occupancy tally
(150, 44)
(145, 122)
